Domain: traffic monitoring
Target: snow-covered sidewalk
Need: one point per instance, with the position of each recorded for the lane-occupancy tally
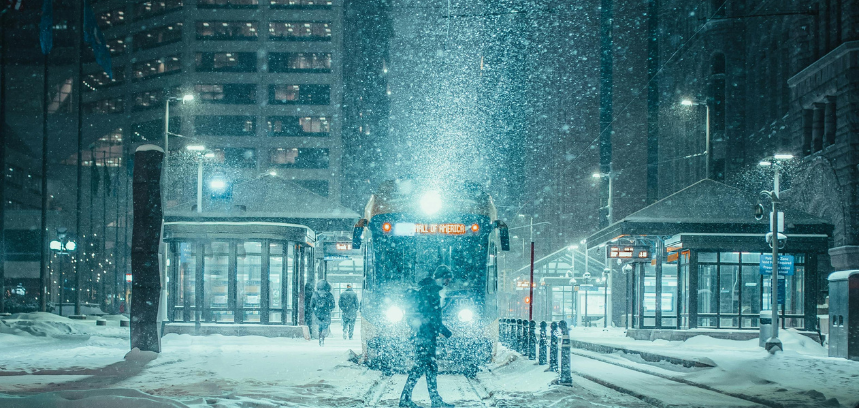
(802, 372)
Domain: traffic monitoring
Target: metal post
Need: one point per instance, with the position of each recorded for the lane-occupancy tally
(166, 145)
(542, 360)
(605, 301)
(587, 323)
(532, 340)
(200, 184)
(566, 377)
(531, 282)
(517, 335)
(708, 153)
(774, 344)
(502, 331)
(553, 347)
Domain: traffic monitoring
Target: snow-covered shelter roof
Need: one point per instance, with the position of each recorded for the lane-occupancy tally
(271, 199)
(707, 207)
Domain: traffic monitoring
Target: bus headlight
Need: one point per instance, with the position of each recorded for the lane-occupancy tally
(394, 314)
(465, 315)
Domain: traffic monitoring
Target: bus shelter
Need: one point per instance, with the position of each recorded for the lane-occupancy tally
(250, 259)
(560, 280)
(701, 253)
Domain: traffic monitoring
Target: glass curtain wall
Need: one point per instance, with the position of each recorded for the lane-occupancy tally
(249, 279)
(216, 279)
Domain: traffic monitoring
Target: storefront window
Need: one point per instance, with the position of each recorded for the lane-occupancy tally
(249, 276)
(215, 264)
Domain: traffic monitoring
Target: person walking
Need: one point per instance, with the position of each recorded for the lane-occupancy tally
(349, 310)
(426, 326)
(322, 303)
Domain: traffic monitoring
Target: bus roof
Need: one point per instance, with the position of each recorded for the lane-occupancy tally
(404, 196)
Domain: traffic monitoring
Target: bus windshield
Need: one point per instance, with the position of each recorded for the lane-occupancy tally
(409, 260)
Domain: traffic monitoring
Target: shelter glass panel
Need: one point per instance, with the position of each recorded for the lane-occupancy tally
(215, 262)
(275, 285)
(728, 293)
(669, 295)
(249, 274)
(649, 292)
(750, 305)
(708, 294)
(187, 276)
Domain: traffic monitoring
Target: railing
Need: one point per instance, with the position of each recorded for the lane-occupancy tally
(520, 336)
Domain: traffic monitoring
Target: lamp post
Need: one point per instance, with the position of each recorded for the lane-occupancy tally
(707, 150)
(203, 153)
(610, 202)
(773, 344)
(606, 278)
(167, 100)
(62, 246)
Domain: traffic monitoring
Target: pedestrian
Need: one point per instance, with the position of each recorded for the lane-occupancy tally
(426, 326)
(309, 288)
(322, 304)
(349, 310)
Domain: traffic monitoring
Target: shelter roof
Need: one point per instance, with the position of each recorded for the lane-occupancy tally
(707, 206)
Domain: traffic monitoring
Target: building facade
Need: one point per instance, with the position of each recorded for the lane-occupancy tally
(265, 76)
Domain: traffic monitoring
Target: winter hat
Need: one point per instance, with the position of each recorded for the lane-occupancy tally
(442, 272)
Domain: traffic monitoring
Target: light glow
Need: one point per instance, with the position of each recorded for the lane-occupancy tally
(687, 102)
(465, 315)
(218, 184)
(475, 228)
(196, 148)
(431, 202)
(386, 227)
(783, 156)
(394, 314)
(187, 98)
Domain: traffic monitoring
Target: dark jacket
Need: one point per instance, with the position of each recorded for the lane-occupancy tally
(426, 321)
(349, 304)
(322, 302)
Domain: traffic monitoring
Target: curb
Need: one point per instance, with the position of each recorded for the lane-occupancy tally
(647, 356)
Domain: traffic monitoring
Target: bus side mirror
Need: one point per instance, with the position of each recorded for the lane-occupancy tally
(503, 234)
(357, 232)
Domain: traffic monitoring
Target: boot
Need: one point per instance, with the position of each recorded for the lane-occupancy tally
(438, 403)
(407, 403)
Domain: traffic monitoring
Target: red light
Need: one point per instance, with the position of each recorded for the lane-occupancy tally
(527, 300)
(475, 227)
(386, 227)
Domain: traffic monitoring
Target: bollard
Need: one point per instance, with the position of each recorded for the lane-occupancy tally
(506, 333)
(553, 348)
(532, 340)
(517, 335)
(501, 332)
(542, 358)
(525, 338)
(566, 377)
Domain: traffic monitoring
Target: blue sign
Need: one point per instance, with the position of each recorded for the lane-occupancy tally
(785, 264)
(781, 289)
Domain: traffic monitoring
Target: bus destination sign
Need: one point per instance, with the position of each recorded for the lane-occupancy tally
(633, 252)
(410, 229)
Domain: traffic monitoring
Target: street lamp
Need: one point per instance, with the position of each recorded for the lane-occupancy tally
(63, 245)
(215, 184)
(773, 344)
(184, 98)
(707, 150)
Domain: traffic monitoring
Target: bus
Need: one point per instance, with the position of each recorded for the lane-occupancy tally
(409, 228)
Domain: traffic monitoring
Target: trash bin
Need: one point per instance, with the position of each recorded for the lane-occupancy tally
(844, 314)
(766, 325)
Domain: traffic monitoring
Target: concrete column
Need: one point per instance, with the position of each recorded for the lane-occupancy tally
(829, 121)
(807, 130)
(817, 127)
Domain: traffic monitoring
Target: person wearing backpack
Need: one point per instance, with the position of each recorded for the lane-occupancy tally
(349, 308)
(426, 326)
(322, 303)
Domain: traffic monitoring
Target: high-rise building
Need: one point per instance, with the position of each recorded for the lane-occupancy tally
(265, 76)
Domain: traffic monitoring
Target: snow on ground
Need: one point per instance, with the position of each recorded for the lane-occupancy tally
(801, 374)
(51, 361)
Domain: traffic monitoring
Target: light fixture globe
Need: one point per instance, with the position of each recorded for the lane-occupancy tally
(431, 202)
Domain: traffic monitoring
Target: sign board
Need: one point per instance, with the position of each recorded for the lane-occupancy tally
(336, 258)
(588, 288)
(411, 229)
(785, 264)
(128, 277)
(632, 252)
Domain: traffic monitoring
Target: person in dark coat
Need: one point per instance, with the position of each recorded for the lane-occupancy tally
(309, 288)
(426, 327)
(349, 310)
(322, 304)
